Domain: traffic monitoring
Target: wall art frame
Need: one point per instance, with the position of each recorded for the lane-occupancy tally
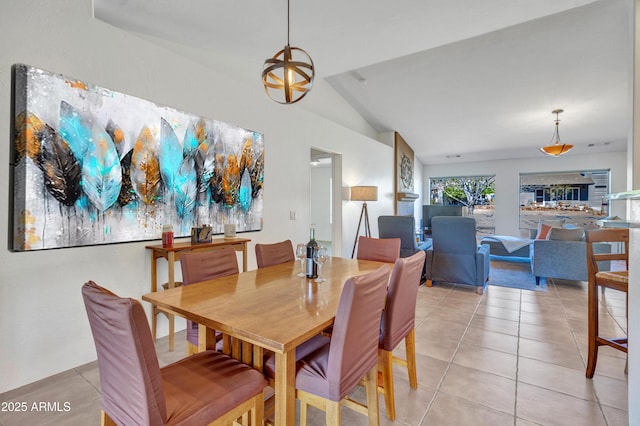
(94, 166)
(404, 176)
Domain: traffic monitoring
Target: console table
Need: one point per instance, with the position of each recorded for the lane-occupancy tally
(172, 255)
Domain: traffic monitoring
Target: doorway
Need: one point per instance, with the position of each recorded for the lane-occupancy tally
(325, 177)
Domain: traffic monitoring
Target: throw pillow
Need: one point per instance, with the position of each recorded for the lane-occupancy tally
(561, 234)
(543, 232)
(554, 223)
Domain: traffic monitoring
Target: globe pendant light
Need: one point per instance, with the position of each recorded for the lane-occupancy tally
(557, 148)
(288, 75)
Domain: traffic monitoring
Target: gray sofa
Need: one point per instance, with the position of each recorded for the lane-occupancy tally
(563, 255)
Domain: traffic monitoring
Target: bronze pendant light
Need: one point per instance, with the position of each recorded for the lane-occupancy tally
(558, 148)
(288, 75)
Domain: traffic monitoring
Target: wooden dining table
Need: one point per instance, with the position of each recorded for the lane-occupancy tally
(269, 308)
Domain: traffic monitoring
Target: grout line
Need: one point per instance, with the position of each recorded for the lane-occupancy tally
(515, 399)
(437, 390)
(577, 345)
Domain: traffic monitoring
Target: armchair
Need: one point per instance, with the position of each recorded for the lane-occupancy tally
(455, 256)
(402, 227)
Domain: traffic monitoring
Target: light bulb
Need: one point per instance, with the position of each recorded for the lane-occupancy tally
(291, 77)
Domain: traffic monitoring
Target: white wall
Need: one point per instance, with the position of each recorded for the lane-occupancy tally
(43, 325)
(418, 172)
(321, 202)
(507, 203)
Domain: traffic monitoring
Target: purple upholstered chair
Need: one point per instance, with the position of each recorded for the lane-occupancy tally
(274, 254)
(202, 266)
(398, 321)
(329, 374)
(196, 390)
(381, 250)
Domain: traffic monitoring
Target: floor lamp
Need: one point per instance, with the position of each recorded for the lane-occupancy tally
(364, 194)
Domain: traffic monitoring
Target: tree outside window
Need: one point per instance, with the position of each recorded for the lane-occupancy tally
(476, 193)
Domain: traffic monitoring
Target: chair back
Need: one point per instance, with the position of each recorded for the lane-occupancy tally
(274, 254)
(130, 378)
(596, 260)
(381, 250)
(354, 340)
(206, 265)
(454, 234)
(202, 266)
(398, 317)
(456, 256)
(402, 227)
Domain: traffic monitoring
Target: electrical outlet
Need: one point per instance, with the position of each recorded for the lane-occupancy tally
(292, 215)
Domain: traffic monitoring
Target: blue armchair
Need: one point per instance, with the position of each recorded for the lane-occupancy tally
(456, 256)
(402, 227)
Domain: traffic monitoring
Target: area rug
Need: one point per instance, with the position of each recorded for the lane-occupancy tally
(514, 273)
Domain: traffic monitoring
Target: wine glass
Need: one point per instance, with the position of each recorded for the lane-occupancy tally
(301, 254)
(320, 256)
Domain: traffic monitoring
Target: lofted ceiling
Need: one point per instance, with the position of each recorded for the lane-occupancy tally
(462, 80)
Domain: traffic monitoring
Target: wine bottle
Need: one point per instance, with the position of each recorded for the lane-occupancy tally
(312, 246)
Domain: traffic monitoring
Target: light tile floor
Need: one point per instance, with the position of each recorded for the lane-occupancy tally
(510, 357)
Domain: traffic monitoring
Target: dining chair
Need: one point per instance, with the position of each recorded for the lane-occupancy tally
(206, 388)
(202, 266)
(617, 280)
(398, 322)
(327, 376)
(274, 254)
(378, 249)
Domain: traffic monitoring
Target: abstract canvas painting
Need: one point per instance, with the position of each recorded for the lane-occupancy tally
(94, 166)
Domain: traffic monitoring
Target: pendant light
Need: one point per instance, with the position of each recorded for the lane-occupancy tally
(557, 148)
(288, 75)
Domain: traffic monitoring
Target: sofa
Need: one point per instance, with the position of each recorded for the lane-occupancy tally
(563, 254)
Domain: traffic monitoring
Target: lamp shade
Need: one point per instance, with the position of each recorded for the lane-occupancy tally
(556, 149)
(364, 193)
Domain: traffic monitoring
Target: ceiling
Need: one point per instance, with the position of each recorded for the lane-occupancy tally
(459, 80)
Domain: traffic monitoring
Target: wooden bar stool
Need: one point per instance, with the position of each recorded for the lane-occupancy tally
(617, 280)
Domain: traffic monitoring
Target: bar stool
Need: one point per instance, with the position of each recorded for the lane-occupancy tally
(617, 280)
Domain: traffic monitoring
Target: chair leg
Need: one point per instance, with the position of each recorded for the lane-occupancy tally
(257, 414)
(332, 413)
(303, 413)
(410, 347)
(385, 359)
(372, 396)
(592, 356)
(191, 349)
(429, 283)
(479, 290)
(105, 420)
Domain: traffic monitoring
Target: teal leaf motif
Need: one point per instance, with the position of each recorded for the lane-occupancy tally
(76, 130)
(101, 171)
(170, 154)
(186, 188)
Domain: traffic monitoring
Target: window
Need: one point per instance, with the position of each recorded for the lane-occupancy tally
(575, 197)
(475, 193)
